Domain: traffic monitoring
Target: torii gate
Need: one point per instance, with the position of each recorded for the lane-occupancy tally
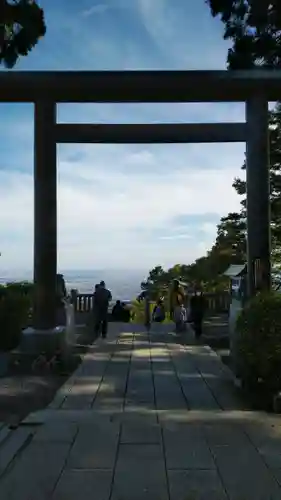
(46, 89)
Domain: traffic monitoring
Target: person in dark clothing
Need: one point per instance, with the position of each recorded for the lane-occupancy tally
(159, 314)
(117, 311)
(101, 300)
(126, 315)
(197, 310)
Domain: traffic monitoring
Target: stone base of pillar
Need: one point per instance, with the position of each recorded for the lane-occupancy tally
(61, 338)
(36, 341)
(234, 311)
(49, 342)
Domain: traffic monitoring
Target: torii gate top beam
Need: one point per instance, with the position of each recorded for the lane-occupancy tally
(139, 86)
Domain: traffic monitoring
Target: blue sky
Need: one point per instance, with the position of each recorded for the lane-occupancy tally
(122, 206)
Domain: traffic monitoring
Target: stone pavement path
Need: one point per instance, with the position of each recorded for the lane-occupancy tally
(144, 417)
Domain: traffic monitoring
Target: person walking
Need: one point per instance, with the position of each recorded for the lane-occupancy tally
(158, 315)
(180, 318)
(101, 299)
(197, 311)
(177, 300)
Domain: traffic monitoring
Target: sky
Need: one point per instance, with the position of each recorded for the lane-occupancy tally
(122, 206)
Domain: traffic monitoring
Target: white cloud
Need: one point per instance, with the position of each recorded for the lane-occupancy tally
(108, 216)
(99, 8)
(117, 205)
(185, 32)
(183, 236)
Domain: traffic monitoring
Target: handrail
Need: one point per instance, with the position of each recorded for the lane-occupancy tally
(83, 302)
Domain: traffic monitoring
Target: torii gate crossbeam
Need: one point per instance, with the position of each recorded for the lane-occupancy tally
(46, 89)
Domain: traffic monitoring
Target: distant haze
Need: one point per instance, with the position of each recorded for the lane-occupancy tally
(124, 284)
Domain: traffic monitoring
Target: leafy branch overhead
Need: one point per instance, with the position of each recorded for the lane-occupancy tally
(22, 24)
(254, 26)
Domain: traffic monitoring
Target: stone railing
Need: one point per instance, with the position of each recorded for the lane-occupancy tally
(82, 305)
(218, 302)
(83, 302)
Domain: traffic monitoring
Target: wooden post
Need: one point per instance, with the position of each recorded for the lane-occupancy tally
(45, 215)
(258, 206)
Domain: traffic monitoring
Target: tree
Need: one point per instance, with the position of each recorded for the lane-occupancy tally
(254, 26)
(230, 244)
(156, 280)
(229, 248)
(275, 180)
(22, 24)
(231, 236)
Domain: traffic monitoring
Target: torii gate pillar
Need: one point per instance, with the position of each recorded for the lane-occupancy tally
(258, 201)
(45, 215)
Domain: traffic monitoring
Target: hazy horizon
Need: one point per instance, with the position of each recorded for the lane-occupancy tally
(124, 284)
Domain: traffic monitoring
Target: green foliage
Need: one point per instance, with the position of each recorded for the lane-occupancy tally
(15, 306)
(204, 272)
(254, 28)
(259, 342)
(22, 24)
(138, 314)
(159, 280)
(156, 281)
(275, 182)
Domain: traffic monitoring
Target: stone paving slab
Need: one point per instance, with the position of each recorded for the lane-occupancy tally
(196, 485)
(186, 448)
(232, 446)
(57, 432)
(84, 485)
(146, 417)
(82, 393)
(140, 473)
(141, 432)
(194, 387)
(93, 366)
(35, 472)
(250, 479)
(111, 393)
(95, 447)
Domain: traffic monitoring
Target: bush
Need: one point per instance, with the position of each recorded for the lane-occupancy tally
(138, 310)
(259, 342)
(15, 305)
(138, 313)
